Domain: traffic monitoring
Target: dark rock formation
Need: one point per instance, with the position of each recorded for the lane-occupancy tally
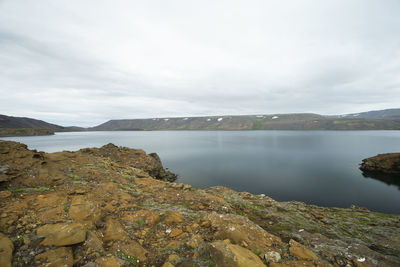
(382, 163)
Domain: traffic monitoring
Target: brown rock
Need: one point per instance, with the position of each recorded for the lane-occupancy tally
(229, 255)
(173, 217)
(52, 215)
(6, 250)
(83, 209)
(298, 250)
(175, 232)
(93, 242)
(55, 258)
(195, 241)
(173, 258)
(62, 234)
(50, 200)
(111, 261)
(131, 248)
(240, 229)
(114, 231)
(167, 264)
(144, 216)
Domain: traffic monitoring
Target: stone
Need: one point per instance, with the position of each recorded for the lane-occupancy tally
(298, 250)
(230, 255)
(93, 242)
(55, 258)
(62, 234)
(175, 233)
(131, 248)
(6, 251)
(272, 256)
(114, 231)
(173, 217)
(167, 264)
(82, 209)
(110, 261)
(240, 229)
(143, 216)
(173, 258)
(52, 215)
(50, 200)
(195, 241)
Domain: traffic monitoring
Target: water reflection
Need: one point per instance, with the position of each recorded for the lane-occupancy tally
(389, 179)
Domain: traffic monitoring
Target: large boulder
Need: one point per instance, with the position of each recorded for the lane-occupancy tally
(62, 234)
(225, 254)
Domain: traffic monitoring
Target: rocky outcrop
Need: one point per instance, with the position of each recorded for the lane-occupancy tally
(101, 207)
(383, 163)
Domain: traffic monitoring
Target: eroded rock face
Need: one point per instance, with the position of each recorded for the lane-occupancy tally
(382, 163)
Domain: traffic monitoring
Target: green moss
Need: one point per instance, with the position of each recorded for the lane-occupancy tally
(280, 228)
(129, 260)
(75, 177)
(31, 189)
(67, 205)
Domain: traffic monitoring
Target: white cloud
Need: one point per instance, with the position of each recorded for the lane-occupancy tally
(84, 62)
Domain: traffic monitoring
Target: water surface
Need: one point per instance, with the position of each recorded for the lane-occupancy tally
(317, 167)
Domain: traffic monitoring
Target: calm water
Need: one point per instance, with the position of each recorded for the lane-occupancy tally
(317, 167)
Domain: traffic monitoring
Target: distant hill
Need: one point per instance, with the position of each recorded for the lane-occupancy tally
(301, 121)
(9, 122)
(388, 114)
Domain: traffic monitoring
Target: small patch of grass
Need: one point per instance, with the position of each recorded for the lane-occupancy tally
(30, 189)
(67, 205)
(141, 222)
(257, 252)
(79, 182)
(75, 177)
(130, 260)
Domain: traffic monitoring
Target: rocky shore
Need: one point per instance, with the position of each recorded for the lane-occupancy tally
(383, 163)
(115, 206)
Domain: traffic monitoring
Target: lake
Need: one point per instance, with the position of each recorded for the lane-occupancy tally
(316, 167)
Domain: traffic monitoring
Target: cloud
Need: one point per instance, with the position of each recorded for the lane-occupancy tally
(84, 62)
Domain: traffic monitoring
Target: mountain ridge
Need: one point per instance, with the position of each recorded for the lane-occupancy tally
(388, 119)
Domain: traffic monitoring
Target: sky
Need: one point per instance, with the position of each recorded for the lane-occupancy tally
(74, 62)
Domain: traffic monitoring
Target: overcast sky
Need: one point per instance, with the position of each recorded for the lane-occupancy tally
(82, 63)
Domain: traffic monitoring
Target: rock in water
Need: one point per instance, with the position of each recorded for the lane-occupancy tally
(382, 163)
